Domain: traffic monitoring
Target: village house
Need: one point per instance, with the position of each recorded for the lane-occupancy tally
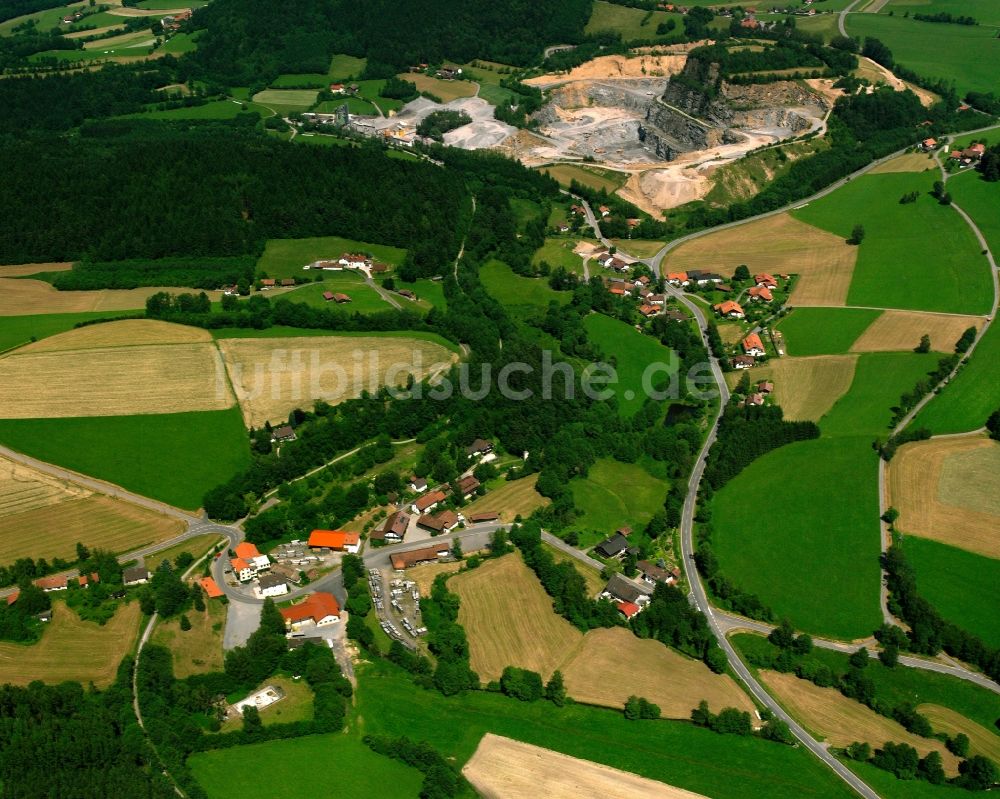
(760, 294)
(653, 574)
(428, 502)
(928, 144)
(251, 555)
(620, 291)
(628, 609)
(752, 345)
(730, 309)
(765, 386)
(287, 282)
(404, 560)
(135, 575)
(765, 280)
(242, 570)
(703, 278)
(340, 299)
(604, 211)
(617, 264)
(320, 609)
(742, 361)
(755, 399)
(418, 484)
(271, 585)
(468, 486)
(479, 448)
(642, 280)
(484, 516)
(290, 574)
(621, 589)
(657, 299)
(328, 296)
(354, 260)
(649, 311)
(678, 279)
(282, 433)
(336, 540)
(394, 529)
(613, 547)
(443, 522)
(267, 283)
(337, 88)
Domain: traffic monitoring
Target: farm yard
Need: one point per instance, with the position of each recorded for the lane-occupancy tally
(780, 244)
(286, 257)
(509, 620)
(502, 767)
(72, 649)
(671, 680)
(805, 388)
(273, 376)
(943, 490)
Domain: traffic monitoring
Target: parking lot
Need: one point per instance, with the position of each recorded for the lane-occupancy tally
(397, 601)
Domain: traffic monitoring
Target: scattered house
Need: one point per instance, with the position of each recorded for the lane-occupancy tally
(418, 484)
(642, 280)
(60, 582)
(328, 295)
(755, 399)
(625, 531)
(12, 597)
(485, 516)
(407, 294)
(468, 486)
(428, 502)
(765, 386)
(678, 279)
(648, 310)
(378, 268)
(765, 280)
(354, 260)
(267, 283)
(577, 210)
(135, 575)
(614, 547)
(742, 361)
(675, 316)
(752, 345)
(337, 540)
(928, 144)
(617, 264)
(282, 433)
(723, 287)
(479, 448)
(341, 298)
(320, 609)
(604, 210)
(394, 528)
(449, 73)
(272, 585)
(210, 587)
(760, 294)
(404, 560)
(443, 522)
(657, 299)
(653, 574)
(730, 309)
(632, 222)
(628, 609)
(621, 589)
(337, 88)
(749, 23)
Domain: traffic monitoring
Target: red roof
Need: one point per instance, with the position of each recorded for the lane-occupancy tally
(334, 539)
(766, 279)
(239, 564)
(680, 276)
(316, 607)
(210, 587)
(53, 582)
(246, 551)
(328, 295)
(752, 342)
(728, 307)
(12, 598)
(427, 500)
(761, 291)
(628, 609)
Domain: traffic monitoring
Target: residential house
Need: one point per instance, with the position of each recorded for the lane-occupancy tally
(675, 316)
(617, 264)
(268, 283)
(404, 560)
(752, 345)
(625, 530)
(928, 144)
(210, 587)
(760, 294)
(468, 486)
(653, 574)
(657, 299)
(242, 570)
(337, 540)
(703, 278)
(621, 589)
(620, 291)
(649, 310)
(678, 279)
(742, 361)
(428, 502)
(418, 484)
(337, 88)
(642, 280)
(248, 552)
(614, 547)
(479, 448)
(443, 522)
(341, 298)
(633, 222)
(394, 528)
(604, 211)
(320, 609)
(765, 280)
(272, 585)
(282, 433)
(765, 386)
(730, 309)
(135, 575)
(354, 260)
(287, 282)
(628, 609)
(755, 399)
(289, 573)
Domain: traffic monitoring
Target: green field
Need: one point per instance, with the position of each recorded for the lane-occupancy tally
(17, 330)
(986, 12)
(720, 766)
(586, 175)
(524, 211)
(612, 495)
(180, 43)
(961, 585)
(559, 252)
(429, 293)
(174, 457)
(314, 766)
(979, 200)
(799, 528)
(824, 331)
(364, 299)
(160, 5)
(217, 109)
(284, 101)
(968, 400)
(495, 95)
(632, 352)
(967, 55)
(516, 293)
(346, 66)
(888, 786)
(631, 23)
(286, 257)
(919, 256)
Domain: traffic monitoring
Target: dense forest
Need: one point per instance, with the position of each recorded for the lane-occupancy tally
(15, 8)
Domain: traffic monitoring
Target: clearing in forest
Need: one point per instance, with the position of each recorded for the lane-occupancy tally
(901, 330)
(805, 388)
(944, 489)
(273, 376)
(503, 768)
(778, 244)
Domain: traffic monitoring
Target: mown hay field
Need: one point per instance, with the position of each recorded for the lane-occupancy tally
(72, 649)
(96, 521)
(674, 682)
(510, 499)
(509, 620)
(125, 333)
(446, 90)
(594, 177)
(909, 162)
(19, 270)
(778, 244)
(503, 768)
(425, 574)
(805, 388)
(24, 489)
(21, 297)
(198, 650)
(841, 721)
(944, 489)
(902, 330)
(273, 376)
(982, 741)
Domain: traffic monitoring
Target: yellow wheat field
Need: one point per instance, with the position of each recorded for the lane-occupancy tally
(273, 376)
(24, 297)
(128, 332)
(901, 331)
(502, 768)
(24, 489)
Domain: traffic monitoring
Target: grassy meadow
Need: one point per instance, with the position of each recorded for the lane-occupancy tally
(286, 257)
(520, 295)
(824, 331)
(17, 330)
(593, 176)
(920, 256)
(364, 299)
(630, 23)
(174, 458)
(559, 252)
(613, 495)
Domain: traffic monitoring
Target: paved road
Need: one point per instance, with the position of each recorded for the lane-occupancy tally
(842, 19)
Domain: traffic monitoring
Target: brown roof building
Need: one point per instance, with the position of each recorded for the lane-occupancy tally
(404, 560)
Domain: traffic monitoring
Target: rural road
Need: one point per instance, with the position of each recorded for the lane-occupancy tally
(842, 19)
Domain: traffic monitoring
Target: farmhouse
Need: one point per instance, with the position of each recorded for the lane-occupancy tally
(272, 585)
(282, 433)
(657, 299)
(678, 279)
(328, 296)
(621, 589)
(628, 609)
(243, 570)
(418, 484)
(428, 502)
(406, 293)
(340, 299)
(742, 361)
(251, 555)
(337, 88)
(354, 260)
(210, 587)
(764, 280)
(765, 386)
(755, 399)
(928, 144)
(703, 278)
(613, 547)
(267, 283)
(605, 211)
(752, 345)
(443, 522)
(479, 448)
(404, 560)
(135, 575)
(729, 309)
(642, 280)
(760, 294)
(649, 310)
(320, 609)
(618, 291)
(337, 540)
(394, 528)
(653, 574)
(468, 486)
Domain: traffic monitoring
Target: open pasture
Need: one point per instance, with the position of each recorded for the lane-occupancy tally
(824, 331)
(614, 494)
(72, 649)
(631, 23)
(23, 296)
(510, 499)
(273, 376)
(841, 721)
(674, 682)
(286, 257)
(779, 244)
(944, 490)
(559, 252)
(902, 330)
(509, 620)
(283, 100)
(346, 66)
(514, 291)
(805, 388)
(918, 256)
(502, 767)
